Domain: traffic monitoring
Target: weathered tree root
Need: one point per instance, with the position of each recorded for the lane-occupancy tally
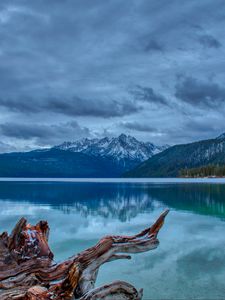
(27, 269)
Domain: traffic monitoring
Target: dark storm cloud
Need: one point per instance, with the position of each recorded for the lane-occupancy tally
(23, 130)
(209, 41)
(23, 105)
(43, 134)
(72, 107)
(204, 94)
(147, 94)
(97, 108)
(153, 45)
(107, 63)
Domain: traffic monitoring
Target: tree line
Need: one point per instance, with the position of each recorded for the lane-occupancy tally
(204, 171)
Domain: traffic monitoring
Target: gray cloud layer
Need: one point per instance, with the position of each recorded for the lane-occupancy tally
(145, 67)
(209, 41)
(200, 93)
(73, 106)
(43, 135)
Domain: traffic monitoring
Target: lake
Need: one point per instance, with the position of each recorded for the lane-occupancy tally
(190, 260)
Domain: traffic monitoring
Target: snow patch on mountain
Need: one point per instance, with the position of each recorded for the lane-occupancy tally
(122, 149)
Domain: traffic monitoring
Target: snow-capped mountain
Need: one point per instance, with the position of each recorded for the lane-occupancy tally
(124, 150)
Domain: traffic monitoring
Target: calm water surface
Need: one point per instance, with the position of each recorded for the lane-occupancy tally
(190, 260)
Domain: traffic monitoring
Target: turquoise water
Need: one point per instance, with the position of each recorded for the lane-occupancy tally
(190, 260)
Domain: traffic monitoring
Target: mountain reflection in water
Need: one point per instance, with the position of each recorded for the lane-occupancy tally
(122, 201)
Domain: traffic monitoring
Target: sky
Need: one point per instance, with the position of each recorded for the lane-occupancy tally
(154, 69)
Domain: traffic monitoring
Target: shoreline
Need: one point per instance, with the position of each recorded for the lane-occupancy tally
(219, 180)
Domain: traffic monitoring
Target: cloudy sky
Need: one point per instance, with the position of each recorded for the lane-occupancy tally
(154, 69)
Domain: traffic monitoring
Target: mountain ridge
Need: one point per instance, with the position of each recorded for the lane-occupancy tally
(169, 162)
(106, 157)
(50, 163)
(126, 151)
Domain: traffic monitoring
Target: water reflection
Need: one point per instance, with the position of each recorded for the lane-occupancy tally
(123, 201)
(189, 262)
(206, 199)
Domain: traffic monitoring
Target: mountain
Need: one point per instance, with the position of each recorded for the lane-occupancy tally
(51, 163)
(124, 151)
(169, 162)
(221, 137)
(106, 157)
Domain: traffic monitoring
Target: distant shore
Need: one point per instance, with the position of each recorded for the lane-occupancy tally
(120, 180)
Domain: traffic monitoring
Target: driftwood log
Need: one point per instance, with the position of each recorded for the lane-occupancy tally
(28, 271)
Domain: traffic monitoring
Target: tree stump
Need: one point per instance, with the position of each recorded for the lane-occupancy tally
(28, 271)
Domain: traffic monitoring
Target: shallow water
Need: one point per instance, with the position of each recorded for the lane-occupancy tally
(190, 260)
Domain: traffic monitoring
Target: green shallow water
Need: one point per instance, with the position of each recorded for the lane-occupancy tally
(190, 260)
